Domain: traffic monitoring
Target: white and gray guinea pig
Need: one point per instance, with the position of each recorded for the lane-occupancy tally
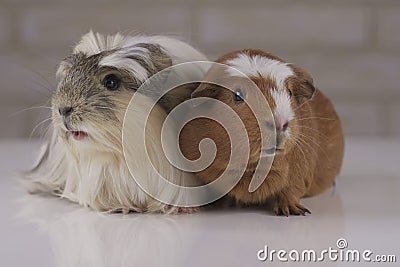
(83, 160)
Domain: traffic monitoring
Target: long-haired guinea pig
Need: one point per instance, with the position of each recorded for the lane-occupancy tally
(309, 139)
(83, 160)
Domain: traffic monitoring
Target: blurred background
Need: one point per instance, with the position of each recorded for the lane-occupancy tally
(352, 48)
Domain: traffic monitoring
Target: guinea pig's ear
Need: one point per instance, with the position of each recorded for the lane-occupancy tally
(140, 60)
(205, 90)
(301, 85)
(159, 58)
(154, 59)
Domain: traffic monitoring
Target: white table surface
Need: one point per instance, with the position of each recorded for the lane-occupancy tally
(364, 209)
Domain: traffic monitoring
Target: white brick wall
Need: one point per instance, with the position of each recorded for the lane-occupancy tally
(355, 74)
(294, 27)
(41, 27)
(352, 47)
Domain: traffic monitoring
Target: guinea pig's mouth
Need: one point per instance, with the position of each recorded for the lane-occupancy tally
(78, 135)
(269, 151)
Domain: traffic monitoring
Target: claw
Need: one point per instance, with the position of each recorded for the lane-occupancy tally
(125, 211)
(285, 208)
(303, 209)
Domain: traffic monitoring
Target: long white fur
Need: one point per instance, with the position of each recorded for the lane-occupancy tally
(93, 172)
(85, 173)
(261, 66)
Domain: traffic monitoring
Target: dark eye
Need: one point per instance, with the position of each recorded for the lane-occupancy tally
(111, 82)
(238, 96)
(290, 92)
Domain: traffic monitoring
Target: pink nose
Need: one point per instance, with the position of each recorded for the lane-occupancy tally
(281, 126)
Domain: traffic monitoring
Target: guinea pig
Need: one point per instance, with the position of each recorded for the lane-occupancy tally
(309, 145)
(83, 160)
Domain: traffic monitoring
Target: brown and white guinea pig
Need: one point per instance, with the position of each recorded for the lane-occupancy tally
(84, 160)
(309, 138)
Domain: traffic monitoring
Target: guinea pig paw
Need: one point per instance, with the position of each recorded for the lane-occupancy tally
(299, 209)
(281, 210)
(125, 211)
(286, 208)
(182, 210)
(187, 210)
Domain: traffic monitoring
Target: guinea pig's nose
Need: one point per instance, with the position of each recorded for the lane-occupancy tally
(65, 111)
(281, 127)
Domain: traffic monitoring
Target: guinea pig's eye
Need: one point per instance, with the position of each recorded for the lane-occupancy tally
(111, 82)
(290, 92)
(238, 96)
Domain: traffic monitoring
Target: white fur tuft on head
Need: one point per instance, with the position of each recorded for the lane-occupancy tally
(95, 43)
(261, 66)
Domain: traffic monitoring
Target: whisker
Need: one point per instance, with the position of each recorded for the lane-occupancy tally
(314, 142)
(45, 132)
(302, 104)
(298, 145)
(40, 123)
(310, 138)
(27, 109)
(309, 118)
(302, 146)
(95, 117)
(42, 81)
(299, 139)
(313, 129)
